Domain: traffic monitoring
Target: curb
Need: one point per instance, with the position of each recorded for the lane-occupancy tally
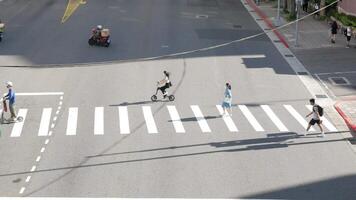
(345, 117)
(267, 21)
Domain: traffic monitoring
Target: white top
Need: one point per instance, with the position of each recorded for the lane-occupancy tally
(315, 112)
(348, 31)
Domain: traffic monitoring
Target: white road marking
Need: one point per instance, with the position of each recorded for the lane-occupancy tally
(150, 122)
(60, 103)
(177, 123)
(22, 190)
(298, 117)
(72, 121)
(38, 158)
(17, 129)
(55, 118)
(274, 118)
(47, 141)
(124, 120)
(200, 118)
(50, 133)
(33, 168)
(28, 179)
(326, 122)
(52, 125)
(227, 119)
(39, 93)
(45, 120)
(99, 121)
(251, 119)
(43, 149)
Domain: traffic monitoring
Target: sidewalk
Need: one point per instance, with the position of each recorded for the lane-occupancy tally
(312, 32)
(318, 54)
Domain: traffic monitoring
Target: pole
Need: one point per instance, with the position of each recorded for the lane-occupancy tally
(278, 21)
(296, 23)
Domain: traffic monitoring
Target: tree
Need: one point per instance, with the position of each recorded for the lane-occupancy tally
(322, 4)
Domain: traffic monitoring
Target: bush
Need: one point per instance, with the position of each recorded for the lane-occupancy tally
(291, 17)
(345, 19)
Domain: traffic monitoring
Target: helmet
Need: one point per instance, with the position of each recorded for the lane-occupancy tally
(99, 27)
(9, 84)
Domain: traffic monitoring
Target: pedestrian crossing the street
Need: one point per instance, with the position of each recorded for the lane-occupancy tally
(279, 116)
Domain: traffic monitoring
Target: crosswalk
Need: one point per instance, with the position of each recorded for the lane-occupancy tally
(122, 119)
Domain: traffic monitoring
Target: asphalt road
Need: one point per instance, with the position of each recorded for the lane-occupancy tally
(206, 160)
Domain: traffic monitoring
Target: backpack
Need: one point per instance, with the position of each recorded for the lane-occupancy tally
(320, 110)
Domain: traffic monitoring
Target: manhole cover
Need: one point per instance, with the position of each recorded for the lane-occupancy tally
(339, 81)
(202, 16)
(237, 26)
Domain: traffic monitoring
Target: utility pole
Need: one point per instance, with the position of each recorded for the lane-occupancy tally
(297, 2)
(278, 20)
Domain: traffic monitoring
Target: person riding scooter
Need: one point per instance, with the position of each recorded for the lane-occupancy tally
(2, 29)
(100, 36)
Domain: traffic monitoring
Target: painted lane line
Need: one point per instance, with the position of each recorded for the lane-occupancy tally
(274, 118)
(43, 149)
(45, 121)
(52, 125)
(60, 103)
(298, 117)
(72, 121)
(50, 133)
(124, 120)
(227, 119)
(33, 168)
(55, 118)
(28, 179)
(39, 93)
(61, 98)
(326, 122)
(59, 107)
(99, 121)
(17, 129)
(22, 190)
(177, 123)
(150, 122)
(38, 158)
(251, 119)
(57, 112)
(47, 141)
(200, 118)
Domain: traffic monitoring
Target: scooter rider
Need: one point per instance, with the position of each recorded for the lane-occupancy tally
(165, 84)
(11, 98)
(97, 31)
(2, 29)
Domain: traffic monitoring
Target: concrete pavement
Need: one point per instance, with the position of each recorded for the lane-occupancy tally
(250, 163)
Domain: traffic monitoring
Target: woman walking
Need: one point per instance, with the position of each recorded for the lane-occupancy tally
(334, 28)
(227, 100)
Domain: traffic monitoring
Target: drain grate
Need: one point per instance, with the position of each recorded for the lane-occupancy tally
(289, 55)
(339, 81)
(237, 26)
(321, 96)
(302, 73)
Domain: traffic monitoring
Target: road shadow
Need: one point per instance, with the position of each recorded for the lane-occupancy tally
(194, 119)
(234, 146)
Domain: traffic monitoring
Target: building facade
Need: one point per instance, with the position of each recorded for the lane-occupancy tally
(348, 7)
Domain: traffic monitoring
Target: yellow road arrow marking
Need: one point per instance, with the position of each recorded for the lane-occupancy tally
(71, 8)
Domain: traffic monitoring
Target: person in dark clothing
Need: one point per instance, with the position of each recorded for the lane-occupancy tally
(334, 28)
(305, 5)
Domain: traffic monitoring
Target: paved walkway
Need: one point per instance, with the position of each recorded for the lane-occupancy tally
(312, 32)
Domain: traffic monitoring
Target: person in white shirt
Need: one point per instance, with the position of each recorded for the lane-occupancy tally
(316, 118)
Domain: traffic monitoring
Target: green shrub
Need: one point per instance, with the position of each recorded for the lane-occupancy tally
(345, 19)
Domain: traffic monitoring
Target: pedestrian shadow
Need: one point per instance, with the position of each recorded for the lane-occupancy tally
(194, 119)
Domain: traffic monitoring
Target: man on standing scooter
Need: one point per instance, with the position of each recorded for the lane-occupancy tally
(11, 98)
